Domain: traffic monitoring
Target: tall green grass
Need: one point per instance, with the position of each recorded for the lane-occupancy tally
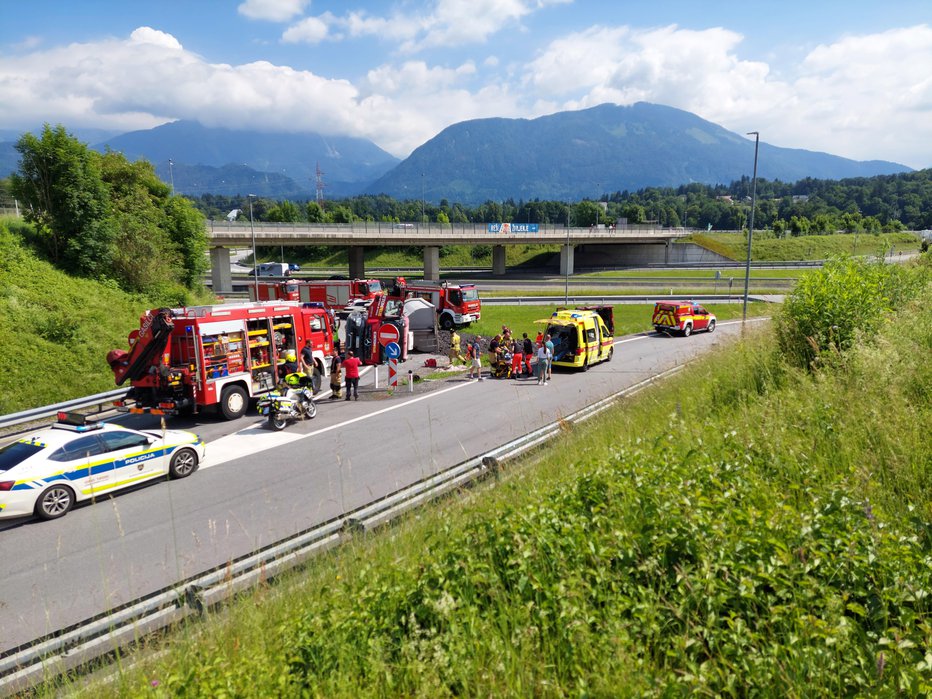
(747, 528)
(765, 247)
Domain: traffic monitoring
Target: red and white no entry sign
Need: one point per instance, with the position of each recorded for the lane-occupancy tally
(388, 333)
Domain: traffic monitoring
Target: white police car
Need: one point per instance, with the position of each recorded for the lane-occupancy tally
(74, 459)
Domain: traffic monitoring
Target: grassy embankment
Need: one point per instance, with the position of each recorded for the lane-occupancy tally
(766, 248)
(56, 329)
(750, 527)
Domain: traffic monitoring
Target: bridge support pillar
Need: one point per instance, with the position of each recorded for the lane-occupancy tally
(220, 275)
(432, 263)
(357, 262)
(567, 253)
(498, 259)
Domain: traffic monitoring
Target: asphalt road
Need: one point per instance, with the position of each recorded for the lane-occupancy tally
(257, 486)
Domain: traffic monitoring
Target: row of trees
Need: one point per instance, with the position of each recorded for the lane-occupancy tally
(101, 216)
(807, 207)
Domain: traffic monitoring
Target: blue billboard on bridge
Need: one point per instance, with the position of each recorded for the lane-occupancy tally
(514, 228)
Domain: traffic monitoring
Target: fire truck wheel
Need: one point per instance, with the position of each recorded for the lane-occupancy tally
(711, 327)
(687, 330)
(55, 502)
(446, 322)
(183, 463)
(233, 402)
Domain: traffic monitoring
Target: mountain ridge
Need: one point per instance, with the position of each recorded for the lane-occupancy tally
(582, 154)
(566, 156)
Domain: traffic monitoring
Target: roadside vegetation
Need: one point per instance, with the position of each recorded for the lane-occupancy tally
(58, 328)
(767, 246)
(758, 524)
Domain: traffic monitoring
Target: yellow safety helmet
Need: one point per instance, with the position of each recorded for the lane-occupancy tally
(291, 356)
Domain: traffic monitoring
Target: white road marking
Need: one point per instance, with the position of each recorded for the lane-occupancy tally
(260, 438)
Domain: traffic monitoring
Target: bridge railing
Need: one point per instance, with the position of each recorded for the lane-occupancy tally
(433, 228)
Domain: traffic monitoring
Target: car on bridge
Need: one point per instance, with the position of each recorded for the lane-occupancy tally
(46, 473)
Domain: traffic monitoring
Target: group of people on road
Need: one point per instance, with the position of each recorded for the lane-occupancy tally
(508, 355)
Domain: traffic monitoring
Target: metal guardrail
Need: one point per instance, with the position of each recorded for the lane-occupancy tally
(45, 411)
(47, 658)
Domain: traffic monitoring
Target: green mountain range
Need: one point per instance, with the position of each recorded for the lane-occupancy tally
(575, 155)
(566, 156)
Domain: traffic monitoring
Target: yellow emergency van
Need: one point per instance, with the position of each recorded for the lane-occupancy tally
(581, 336)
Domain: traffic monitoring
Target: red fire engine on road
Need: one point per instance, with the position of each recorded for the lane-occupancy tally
(333, 293)
(182, 360)
(456, 304)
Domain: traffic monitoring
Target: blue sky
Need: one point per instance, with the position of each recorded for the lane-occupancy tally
(851, 78)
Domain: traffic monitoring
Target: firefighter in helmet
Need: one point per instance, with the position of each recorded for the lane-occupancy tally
(289, 366)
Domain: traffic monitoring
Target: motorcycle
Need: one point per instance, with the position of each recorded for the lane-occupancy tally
(294, 400)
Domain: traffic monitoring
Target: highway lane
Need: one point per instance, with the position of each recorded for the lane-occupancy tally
(257, 487)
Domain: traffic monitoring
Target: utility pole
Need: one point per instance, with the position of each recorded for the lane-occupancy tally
(747, 268)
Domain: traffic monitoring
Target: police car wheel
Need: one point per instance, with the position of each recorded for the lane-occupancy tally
(54, 502)
(711, 327)
(183, 463)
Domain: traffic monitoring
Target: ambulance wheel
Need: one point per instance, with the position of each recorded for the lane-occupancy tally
(687, 330)
(446, 322)
(233, 402)
(611, 353)
(54, 502)
(585, 365)
(183, 463)
(277, 422)
(711, 327)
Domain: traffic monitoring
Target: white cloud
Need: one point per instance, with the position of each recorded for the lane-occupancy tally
(449, 23)
(272, 10)
(857, 97)
(311, 30)
(865, 97)
(147, 35)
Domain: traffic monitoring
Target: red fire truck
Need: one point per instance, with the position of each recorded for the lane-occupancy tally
(183, 360)
(333, 293)
(367, 331)
(456, 304)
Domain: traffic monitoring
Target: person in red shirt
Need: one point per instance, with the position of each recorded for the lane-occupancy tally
(351, 372)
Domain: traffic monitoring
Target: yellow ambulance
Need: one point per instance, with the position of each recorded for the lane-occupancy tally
(581, 336)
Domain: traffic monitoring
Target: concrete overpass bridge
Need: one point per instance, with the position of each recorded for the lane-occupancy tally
(355, 237)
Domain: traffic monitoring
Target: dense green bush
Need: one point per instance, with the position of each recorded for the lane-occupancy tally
(832, 307)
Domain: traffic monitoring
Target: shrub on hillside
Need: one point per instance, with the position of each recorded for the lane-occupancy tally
(832, 307)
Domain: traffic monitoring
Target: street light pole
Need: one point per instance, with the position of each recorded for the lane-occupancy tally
(747, 268)
(255, 259)
(566, 261)
(171, 175)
